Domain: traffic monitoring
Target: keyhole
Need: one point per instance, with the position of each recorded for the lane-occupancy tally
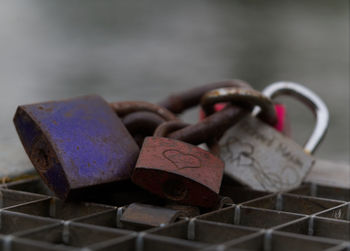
(41, 159)
(174, 190)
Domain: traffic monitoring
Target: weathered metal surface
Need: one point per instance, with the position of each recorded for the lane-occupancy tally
(142, 124)
(76, 143)
(154, 216)
(255, 154)
(213, 126)
(258, 156)
(317, 218)
(246, 98)
(185, 210)
(179, 171)
(210, 128)
(164, 129)
(127, 107)
(181, 101)
(142, 118)
(282, 125)
(224, 202)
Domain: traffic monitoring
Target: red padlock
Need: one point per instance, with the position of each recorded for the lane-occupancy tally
(177, 170)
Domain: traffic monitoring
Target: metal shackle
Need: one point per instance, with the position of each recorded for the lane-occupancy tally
(124, 108)
(142, 118)
(179, 102)
(241, 97)
(311, 100)
(168, 127)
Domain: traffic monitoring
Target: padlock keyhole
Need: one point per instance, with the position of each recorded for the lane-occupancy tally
(41, 158)
(174, 190)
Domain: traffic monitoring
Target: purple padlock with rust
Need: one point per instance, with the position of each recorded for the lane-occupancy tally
(76, 143)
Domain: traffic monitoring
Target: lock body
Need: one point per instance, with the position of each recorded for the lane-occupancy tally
(142, 216)
(76, 143)
(256, 155)
(179, 171)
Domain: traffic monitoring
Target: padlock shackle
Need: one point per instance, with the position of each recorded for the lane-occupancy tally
(142, 124)
(138, 121)
(213, 126)
(311, 100)
(210, 128)
(142, 118)
(179, 102)
(168, 127)
(126, 107)
(246, 98)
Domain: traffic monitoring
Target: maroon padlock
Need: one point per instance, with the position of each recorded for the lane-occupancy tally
(177, 170)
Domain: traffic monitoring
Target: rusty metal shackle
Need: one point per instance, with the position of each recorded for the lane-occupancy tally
(246, 98)
(209, 128)
(142, 118)
(217, 123)
(145, 119)
(181, 101)
(166, 128)
(126, 107)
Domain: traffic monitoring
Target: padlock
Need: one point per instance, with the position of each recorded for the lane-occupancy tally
(139, 216)
(177, 170)
(76, 143)
(258, 156)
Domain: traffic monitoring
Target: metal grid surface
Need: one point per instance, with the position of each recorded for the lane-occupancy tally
(311, 217)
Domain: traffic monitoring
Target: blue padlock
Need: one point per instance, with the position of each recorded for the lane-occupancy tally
(76, 143)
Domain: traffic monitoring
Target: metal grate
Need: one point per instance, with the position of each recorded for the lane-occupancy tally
(311, 217)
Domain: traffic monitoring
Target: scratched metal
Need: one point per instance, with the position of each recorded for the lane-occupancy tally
(169, 168)
(258, 156)
(76, 143)
(142, 215)
(311, 217)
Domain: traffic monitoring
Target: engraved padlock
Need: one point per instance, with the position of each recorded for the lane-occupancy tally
(76, 143)
(255, 154)
(177, 170)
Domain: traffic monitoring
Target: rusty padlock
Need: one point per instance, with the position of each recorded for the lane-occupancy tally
(77, 143)
(139, 216)
(177, 170)
(257, 155)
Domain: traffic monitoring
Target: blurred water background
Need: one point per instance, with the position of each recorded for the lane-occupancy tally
(144, 50)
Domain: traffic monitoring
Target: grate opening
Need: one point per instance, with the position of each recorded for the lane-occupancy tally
(294, 204)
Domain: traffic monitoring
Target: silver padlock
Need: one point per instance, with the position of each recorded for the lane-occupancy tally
(257, 155)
